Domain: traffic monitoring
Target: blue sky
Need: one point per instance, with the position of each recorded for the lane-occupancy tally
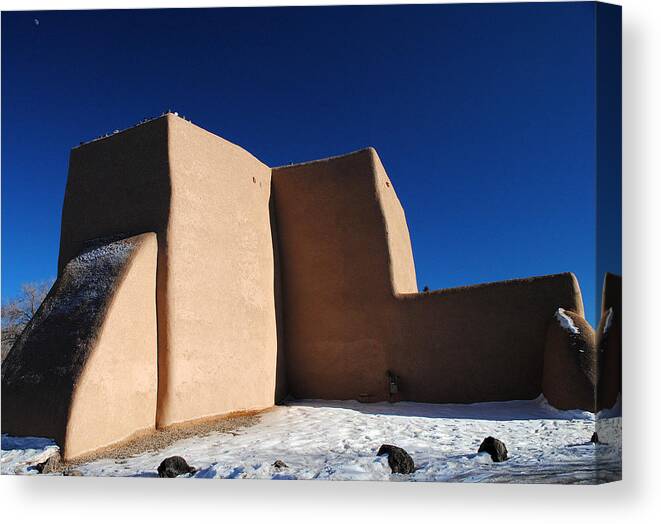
(483, 115)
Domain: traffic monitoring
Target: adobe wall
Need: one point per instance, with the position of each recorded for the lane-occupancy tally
(220, 350)
(208, 202)
(352, 311)
(84, 370)
(336, 273)
(118, 185)
(570, 362)
(479, 343)
(609, 342)
(244, 276)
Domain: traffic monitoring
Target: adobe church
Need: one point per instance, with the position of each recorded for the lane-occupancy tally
(195, 282)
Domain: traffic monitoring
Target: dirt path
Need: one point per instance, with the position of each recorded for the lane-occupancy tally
(162, 438)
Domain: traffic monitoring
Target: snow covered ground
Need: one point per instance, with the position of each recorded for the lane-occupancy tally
(336, 440)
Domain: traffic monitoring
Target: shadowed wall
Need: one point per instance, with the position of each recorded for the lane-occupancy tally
(609, 342)
(570, 363)
(353, 311)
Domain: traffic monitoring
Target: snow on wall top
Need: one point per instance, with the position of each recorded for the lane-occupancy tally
(566, 322)
(143, 121)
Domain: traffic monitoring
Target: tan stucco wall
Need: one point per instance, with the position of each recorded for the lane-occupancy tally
(115, 396)
(352, 312)
(84, 370)
(336, 275)
(208, 201)
(478, 343)
(220, 352)
(395, 228)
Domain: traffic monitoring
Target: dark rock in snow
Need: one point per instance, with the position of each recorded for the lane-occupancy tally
(398, 459)
(50, 465)
(279, 464)
(173, 467)
(72, 473)
(595, 438)
(495, 448)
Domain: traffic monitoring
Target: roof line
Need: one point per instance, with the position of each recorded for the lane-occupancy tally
(326, 159)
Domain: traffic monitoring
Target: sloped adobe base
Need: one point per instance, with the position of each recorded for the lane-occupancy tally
(84, 372)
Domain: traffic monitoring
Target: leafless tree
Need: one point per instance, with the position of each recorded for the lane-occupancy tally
(18, 311)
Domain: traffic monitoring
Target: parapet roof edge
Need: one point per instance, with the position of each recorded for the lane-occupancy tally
(326, 159)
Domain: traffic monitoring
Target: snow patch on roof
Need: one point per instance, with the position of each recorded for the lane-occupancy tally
(566, 322)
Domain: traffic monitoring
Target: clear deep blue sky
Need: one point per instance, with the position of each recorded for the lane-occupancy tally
(483, 115)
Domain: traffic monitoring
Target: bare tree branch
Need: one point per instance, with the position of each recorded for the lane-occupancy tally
(19, 310)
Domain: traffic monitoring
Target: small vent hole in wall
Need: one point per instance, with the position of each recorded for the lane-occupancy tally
(387, 184)
(254, 180)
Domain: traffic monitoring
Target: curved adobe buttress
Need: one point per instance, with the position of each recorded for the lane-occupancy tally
(83, 372)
